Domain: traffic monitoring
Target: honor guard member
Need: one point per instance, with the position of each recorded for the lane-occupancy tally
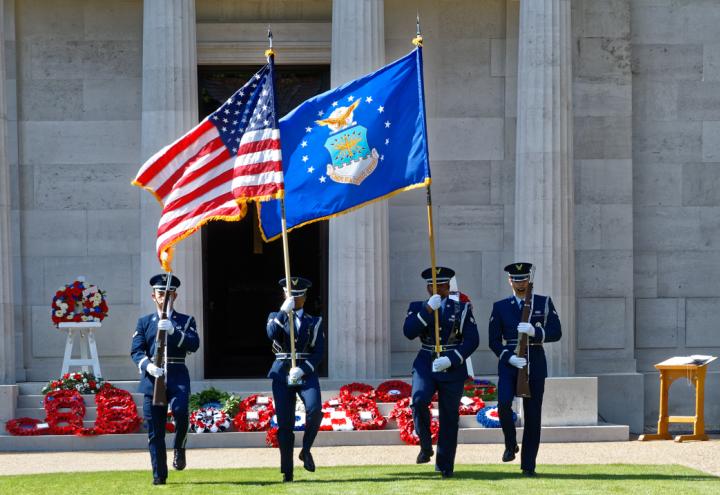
(504, 330)
(182, 339)
(302, 379)
(445, 373)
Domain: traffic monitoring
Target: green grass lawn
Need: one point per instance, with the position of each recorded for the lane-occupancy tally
(378, 480)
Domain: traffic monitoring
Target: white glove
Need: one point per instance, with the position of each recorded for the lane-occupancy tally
(155, 371)
(288, 305)
(434, 302)
(526, 328)
(295, 374)
(441, 364)
(167, 326)
(517, 361)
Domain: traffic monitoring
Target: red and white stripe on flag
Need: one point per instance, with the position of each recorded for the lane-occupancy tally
(231, 157)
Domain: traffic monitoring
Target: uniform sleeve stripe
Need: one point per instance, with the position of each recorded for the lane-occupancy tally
(310, 365)
(141, 363)
(420, 318)
(501, 354)
(459, 355)
(315, 333)
(182, 337)
(277, 322)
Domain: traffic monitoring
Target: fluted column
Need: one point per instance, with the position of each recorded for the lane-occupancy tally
(358, 326)
(169, 109)
(7, 332)
(544, 199)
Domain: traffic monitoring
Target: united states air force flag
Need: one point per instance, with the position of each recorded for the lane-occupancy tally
(352, 145)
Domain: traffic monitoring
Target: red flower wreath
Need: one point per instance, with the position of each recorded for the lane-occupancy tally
(336, 415)
(264, 414)
(471, 407)
(78, 302)
(64, 399)
(24, 427)
(403, 415)
(393, 391)
(271, 438)
(170, 422)
(116, 412)
(347, 392)
(376, 420)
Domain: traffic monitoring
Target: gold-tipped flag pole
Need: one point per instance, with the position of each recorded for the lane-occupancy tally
(270, 54)
(418, 41)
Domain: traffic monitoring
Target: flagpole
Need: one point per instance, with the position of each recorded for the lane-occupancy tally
(286, 250)
(418, 41)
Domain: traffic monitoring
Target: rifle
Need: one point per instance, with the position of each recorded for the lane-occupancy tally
(523, 378)
(159, 359)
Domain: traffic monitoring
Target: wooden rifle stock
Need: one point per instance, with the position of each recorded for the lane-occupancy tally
(160, 389)
(523, 379)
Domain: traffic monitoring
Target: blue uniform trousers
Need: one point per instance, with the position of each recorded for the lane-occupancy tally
(449, 395)
(155, 420)
(532, 409)
(284, 397)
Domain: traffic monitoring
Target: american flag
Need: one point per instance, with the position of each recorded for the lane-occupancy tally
(231, 157)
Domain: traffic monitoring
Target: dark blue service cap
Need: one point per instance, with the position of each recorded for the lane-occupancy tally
(442, 274)
(159, 281)
(298, 285)
(519, 271)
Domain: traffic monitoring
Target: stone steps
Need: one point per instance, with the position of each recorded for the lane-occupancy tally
(602, 432)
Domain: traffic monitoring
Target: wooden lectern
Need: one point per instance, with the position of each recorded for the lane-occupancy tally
(670, 370)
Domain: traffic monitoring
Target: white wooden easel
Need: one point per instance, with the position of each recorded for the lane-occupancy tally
(86, 333)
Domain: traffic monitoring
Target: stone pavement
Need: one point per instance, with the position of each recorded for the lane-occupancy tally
(704, 456)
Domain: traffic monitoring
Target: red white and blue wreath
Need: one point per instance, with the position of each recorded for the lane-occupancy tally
(209, 420)
(488, 417)
(299, 421)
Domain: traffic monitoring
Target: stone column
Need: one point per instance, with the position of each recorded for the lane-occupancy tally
(359, 296)
(7, 331)
(544, 199)
(169, 109)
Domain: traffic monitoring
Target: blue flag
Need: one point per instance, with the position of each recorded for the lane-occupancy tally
(355, 144)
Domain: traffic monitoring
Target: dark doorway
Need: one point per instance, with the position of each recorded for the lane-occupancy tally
(240, 271)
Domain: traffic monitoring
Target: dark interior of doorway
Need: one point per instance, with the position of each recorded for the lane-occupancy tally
(240, 271)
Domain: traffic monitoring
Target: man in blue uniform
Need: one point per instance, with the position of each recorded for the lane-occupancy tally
(504, 330)
(182, 339)
(302, 379)
(444, 373)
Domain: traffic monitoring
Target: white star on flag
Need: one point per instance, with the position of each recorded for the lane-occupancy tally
(368, 99)
(387, 124)
(311, 169)
(305, 158)
(381, 109)
(322, 179)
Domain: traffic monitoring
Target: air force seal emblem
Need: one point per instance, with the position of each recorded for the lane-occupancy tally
(352, 159)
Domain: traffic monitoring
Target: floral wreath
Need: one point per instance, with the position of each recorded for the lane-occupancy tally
(488, 417)
(82, 381)
(392, 391)
(209, 419)
(78, 302)
(24, 427)
(254, 413)
(485, 389)
(116, 411)
(299, 421)
(170, 422)
(271, 438)
(365, 415)
(63, 422)
(347, 392)
(470, 405)
(403, 415)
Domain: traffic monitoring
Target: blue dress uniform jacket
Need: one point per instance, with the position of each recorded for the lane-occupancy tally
(183, 341)
(309, 348)
(459, 338)
(503, 339)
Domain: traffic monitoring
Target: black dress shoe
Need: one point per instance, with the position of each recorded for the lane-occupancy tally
(424, 456)
(530, 473)
(179, 459)
(446, 474)
(308, 462)
(509, 454)
(158, 481)
(287, 477)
